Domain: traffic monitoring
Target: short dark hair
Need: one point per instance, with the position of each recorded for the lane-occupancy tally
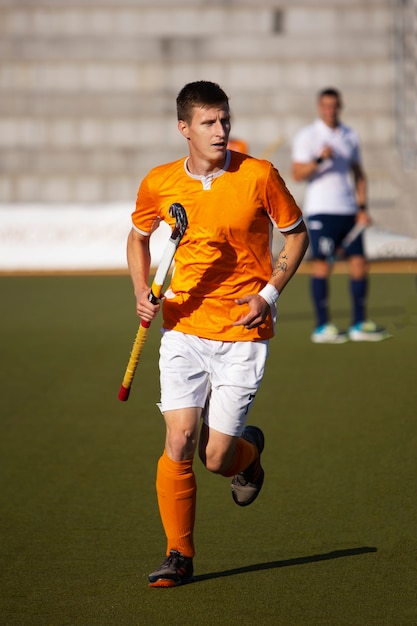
(201, 93)
(331, 92)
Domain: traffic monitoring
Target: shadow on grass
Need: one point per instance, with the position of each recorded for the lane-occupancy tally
(302, 560)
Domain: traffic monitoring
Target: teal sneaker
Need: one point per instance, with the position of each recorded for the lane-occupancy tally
(367, 331)
(328, 333)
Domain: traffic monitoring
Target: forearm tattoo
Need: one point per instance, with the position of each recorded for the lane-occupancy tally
(281, 264)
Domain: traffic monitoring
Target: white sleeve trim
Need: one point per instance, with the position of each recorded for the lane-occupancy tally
(289, 228)
(141, 232)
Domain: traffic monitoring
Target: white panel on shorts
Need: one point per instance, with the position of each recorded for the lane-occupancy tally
(220, 377)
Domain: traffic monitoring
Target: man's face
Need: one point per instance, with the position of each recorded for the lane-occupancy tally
(208, 132)
(329, 110)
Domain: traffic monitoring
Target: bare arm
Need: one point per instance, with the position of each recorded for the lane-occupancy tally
(290, 257)
(361, 193)
(303, 171)
(139, 261)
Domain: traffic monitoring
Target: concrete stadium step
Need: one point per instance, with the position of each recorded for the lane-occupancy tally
(87, 90)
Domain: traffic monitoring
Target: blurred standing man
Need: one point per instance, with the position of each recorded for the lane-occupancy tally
(326, 154)
(218, 313)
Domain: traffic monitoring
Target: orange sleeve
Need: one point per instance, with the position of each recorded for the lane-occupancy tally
(157, 191)
(146, 211)
(279, 202)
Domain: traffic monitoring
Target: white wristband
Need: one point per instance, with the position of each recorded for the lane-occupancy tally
(269, 294)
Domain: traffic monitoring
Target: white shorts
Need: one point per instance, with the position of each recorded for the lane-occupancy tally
(220, 377)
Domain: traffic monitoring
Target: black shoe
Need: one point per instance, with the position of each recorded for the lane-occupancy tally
(177, 569)
(247, 485)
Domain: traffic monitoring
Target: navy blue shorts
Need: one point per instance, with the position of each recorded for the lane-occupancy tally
(327, 233)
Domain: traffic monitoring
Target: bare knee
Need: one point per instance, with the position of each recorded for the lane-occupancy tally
(180, 444)
(321, 268)
(181, 433)
(358, 267)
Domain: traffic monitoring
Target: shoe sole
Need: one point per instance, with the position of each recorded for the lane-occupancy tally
(169, 582)
(368, 337)
(255, 495)
(256, 436)
(336, 339)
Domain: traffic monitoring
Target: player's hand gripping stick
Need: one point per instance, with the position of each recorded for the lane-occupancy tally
(176, 210)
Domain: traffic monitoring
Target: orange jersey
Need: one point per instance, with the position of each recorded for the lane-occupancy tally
(226, 251)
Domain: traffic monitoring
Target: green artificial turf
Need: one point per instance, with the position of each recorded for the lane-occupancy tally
(331, 539)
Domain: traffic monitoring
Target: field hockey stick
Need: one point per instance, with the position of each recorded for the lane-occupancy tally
(351, 236)
(176, 210)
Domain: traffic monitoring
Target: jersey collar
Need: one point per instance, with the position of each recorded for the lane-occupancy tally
(207, 180)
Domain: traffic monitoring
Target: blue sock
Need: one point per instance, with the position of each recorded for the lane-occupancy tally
(319, 292)
(358, 289)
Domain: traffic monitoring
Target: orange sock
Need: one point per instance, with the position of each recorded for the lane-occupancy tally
(246, 453)
(176, 491)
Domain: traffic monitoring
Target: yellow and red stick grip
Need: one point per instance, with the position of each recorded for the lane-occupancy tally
(138, 347)
(134, 359)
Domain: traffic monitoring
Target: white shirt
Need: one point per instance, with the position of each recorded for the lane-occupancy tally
(330, 189)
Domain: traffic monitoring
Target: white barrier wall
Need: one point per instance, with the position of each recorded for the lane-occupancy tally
(35, 237)
(93, 237)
